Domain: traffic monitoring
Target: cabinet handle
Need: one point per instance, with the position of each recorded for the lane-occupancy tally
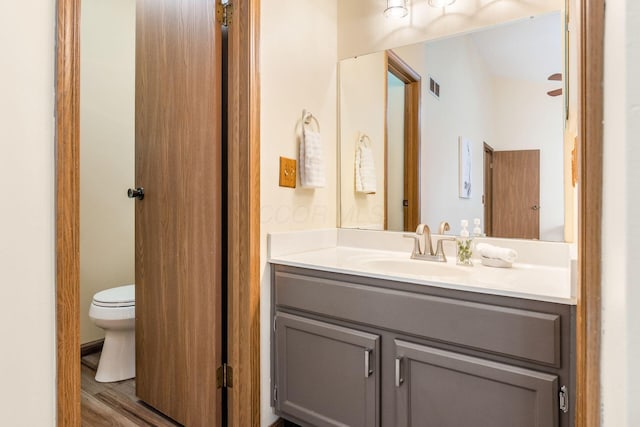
(367, 363)
(399, 379)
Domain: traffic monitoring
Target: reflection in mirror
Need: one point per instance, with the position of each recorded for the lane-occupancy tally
(491, 88)
(395, 154)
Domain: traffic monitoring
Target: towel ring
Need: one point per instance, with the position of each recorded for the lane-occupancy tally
(364, 139)
(308, 117)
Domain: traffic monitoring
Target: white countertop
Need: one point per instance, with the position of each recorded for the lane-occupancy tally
(551, 283)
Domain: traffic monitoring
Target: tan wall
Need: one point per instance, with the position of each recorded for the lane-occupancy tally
(298, 71)
(107, 101)
(27, 253)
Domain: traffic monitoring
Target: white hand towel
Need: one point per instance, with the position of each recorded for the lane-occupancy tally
(489, 251)
(311, 160)
(365, 171)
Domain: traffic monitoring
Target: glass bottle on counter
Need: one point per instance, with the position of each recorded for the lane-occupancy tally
(463, 245)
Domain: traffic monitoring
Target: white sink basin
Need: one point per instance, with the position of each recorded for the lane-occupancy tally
(415, 267)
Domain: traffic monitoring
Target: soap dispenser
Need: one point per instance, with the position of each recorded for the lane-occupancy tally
(477, 231)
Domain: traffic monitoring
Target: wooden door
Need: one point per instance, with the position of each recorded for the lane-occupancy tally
(445, 389)
(516, 194)
(326, 375)
(178, 231)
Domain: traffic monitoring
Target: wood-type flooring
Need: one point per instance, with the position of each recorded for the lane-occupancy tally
(114, 404)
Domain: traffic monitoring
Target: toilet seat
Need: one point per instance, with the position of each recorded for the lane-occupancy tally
(122, 296)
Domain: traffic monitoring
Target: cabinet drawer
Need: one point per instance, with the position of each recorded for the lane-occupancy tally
(524, 334)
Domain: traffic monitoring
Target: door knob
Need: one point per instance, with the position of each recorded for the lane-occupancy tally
(136, 193)
(535, 207)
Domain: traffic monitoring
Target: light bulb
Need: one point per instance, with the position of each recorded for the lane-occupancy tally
(396, 9)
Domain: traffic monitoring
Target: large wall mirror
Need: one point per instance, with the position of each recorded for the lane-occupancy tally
(463, 127)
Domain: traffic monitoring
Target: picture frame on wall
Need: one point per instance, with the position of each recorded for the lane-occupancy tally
(464, 168)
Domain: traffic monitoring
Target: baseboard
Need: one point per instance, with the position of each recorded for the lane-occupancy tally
(91, 347)
(279, 423)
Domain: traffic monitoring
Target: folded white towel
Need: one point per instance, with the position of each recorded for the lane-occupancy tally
(365, 171)
(311, 160)
(489, 251)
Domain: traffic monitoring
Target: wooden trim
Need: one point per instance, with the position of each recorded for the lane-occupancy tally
(91, 347)
(412, 105)
(488, 190)
(68, 212)
(413, 94)
(590, 212)
(401, 69)
(244, 213)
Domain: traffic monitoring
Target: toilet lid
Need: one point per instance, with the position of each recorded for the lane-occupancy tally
(122, 296)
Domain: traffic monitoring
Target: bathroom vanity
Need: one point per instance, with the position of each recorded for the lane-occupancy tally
(367, 348)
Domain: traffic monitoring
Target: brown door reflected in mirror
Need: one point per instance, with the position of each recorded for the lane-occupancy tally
(516, 191)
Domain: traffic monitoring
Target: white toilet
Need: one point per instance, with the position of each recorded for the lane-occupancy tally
(114, 310)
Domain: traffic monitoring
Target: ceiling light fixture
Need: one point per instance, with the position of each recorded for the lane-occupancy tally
(396, 9)
(441, 3)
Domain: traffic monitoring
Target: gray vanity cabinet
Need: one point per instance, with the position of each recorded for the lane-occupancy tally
(359, 351)
(327, 375)
(439, 388)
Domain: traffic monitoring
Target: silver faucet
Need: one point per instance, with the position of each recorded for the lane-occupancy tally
(429, 255)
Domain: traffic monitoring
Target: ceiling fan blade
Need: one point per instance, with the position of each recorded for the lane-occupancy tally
(556, 92)
(556, 77)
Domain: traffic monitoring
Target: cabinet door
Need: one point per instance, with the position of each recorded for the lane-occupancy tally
(326, 375)
(443, 389)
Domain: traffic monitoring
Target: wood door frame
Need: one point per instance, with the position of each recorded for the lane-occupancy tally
(488, 190)
(67, 196)
(244, 234)
(412, 98)
(243, 351)
(590, 136)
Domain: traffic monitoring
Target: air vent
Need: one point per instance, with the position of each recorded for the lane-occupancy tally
(434, 87)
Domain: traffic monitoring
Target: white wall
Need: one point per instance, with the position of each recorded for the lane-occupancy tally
(107, 133)
(27, 318)
(362, 27)
(620, 375)
(461, 110)
(526, 118)
(298, 70)
(633, 210)
(362, 111)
